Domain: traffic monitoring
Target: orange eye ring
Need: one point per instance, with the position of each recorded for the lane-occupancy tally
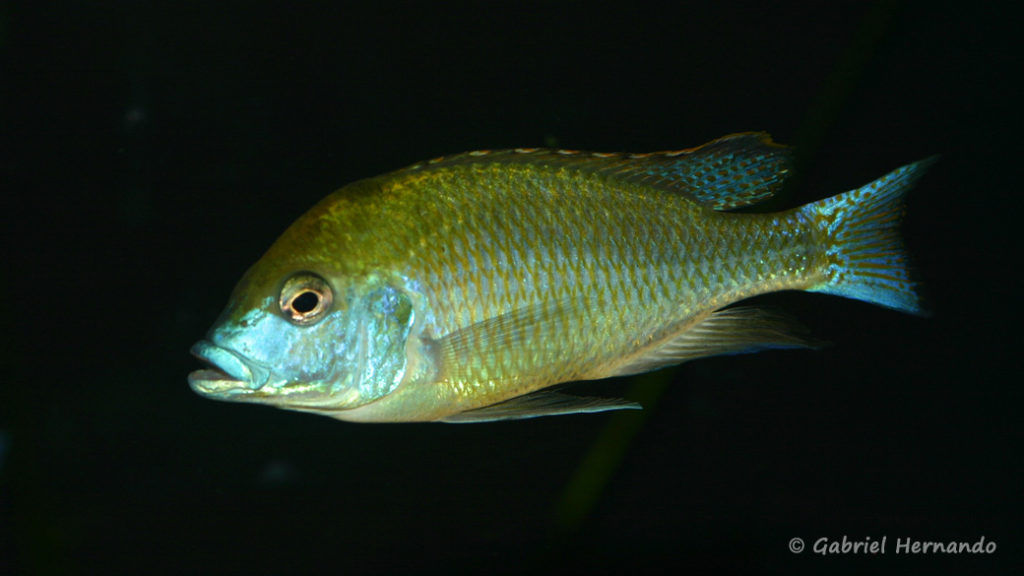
(305, 298)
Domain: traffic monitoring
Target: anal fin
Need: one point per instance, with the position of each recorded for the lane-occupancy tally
(736, 330)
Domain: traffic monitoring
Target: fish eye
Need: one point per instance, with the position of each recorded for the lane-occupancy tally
(305, 298)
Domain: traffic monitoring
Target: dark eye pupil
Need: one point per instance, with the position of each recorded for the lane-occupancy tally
(306, 302)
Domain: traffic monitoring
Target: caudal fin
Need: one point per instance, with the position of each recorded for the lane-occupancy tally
(866, 257)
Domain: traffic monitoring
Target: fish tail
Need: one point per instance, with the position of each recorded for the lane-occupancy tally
(865, 255)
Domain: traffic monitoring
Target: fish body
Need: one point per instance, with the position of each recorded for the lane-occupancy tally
(463, 288)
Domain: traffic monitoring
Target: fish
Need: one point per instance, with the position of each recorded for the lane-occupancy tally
(470, 288)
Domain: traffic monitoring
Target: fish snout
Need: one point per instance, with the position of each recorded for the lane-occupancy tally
(229, 372)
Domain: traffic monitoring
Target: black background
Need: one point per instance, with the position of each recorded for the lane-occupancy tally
(155, 149)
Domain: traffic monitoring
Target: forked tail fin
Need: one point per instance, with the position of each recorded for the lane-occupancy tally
(865, 252)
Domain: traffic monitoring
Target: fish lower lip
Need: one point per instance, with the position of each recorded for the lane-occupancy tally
(228, 372)
(215, 383)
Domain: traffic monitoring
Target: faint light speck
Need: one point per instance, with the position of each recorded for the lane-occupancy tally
(5, 444)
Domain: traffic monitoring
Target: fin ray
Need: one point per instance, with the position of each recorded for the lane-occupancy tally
(543, 403)
(477, 349)
(730, 172)
(867, 260)
(736, 330)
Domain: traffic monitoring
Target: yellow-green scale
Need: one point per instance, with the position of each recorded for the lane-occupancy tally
(601, 268)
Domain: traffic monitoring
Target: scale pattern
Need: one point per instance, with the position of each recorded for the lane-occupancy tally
(541, 275)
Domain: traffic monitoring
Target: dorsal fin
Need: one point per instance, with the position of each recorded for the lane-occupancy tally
(731, 172)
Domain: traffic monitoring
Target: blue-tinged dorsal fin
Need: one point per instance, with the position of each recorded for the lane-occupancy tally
(731, 172)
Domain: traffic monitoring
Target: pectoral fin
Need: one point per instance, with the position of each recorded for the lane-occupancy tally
(542, 403)
(522, 340)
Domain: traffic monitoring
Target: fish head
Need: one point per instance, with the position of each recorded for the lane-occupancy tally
(304, 336)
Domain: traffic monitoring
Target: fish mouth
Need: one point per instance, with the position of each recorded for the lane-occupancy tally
(228, 374)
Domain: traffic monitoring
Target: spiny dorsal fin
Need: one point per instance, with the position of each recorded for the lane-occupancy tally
(730, 331)
(541, 403)
(731, 172)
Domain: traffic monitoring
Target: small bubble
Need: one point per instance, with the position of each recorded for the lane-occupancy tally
(276, 472)
(134, 117)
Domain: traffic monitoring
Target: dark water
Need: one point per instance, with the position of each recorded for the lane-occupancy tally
(154, 150)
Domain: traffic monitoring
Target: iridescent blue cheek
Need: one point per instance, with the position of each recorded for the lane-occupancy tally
(353, 355)
(387, 315)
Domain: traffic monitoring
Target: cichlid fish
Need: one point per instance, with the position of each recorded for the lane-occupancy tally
(462, 288)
